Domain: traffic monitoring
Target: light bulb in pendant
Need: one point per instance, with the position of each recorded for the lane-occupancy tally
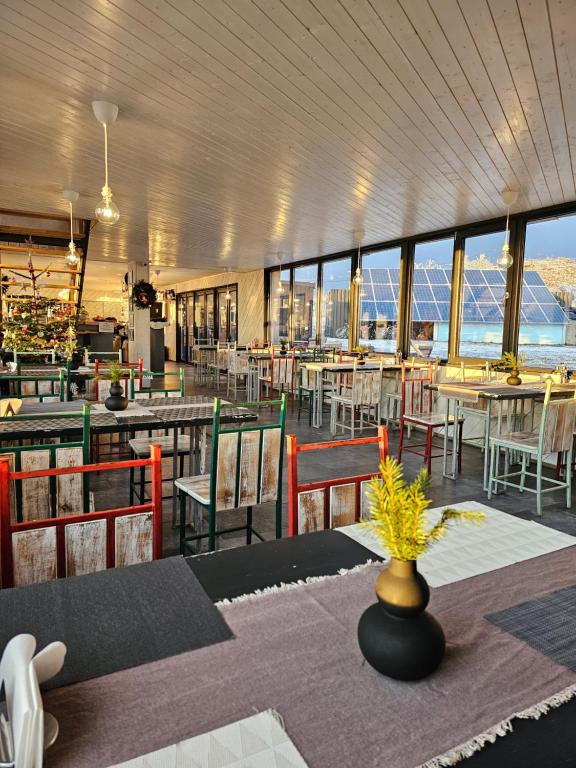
(107, 211)
(358, 277)
(228, 296)
(505, 261)
(72, 255)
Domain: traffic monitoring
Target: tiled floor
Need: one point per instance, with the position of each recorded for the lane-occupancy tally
(360, 459)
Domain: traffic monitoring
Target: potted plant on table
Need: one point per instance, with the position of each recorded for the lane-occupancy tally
(396, 635)
(513, 363)
(283, 346)
(360, 353)
(116, 400)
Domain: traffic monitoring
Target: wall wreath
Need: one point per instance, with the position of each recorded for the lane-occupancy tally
(143, 295)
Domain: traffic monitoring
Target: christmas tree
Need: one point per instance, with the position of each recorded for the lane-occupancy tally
(37, 325)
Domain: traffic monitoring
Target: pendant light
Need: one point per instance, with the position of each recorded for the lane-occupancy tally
(228, 295)
(357, 279)
(72, 258)
(106, 211)
(509, 197)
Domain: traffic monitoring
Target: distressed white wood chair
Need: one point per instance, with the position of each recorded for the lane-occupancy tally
(555, 434)
(29, 730)
(246, 470)
(237, 375)
(362, 400)
(280, 376)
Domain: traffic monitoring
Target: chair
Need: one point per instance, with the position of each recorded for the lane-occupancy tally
(100, 356)
(140, 446)
(137, 392)
(554, 435)
(237, 374)
(361, 395)
(417, 412)
(51, 496)
(328, 503)
(71, 545)
(219, 367)
(280, 376)
(47, 388)
(246, 470)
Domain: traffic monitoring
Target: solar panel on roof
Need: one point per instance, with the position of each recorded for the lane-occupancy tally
(474, 277)
(429, 312)
(491, 313)
(384, 293)
(422, 293)
(437, 276)
(532, 277)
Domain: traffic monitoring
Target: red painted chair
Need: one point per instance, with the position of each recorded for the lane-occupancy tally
(328, 503)
(417, 412)
(72, 545)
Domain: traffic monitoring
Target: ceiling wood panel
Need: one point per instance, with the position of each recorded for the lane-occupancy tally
(250, 128)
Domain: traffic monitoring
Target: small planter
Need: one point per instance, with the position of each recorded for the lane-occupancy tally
(514, 379)
(361, 360)
(283, 352)
(116, 400)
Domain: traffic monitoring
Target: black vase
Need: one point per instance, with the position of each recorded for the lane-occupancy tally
(396, 635)
(116, 400)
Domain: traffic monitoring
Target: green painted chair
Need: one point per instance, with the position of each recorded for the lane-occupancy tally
(246, 470)
(50, 387)
(136, 392)
(53, 496)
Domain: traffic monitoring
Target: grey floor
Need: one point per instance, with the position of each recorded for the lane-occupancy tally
(348, 461)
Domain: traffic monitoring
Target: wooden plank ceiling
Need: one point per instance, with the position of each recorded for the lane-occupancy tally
(249, 128)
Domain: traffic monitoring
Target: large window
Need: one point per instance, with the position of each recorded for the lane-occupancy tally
(279, 305)
(304, 303)
(483, 289)
(335, 301)
(378, 301)
(548, 304)
(431, 291)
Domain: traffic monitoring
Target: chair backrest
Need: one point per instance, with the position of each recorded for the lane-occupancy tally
(247, 461)
(557, 421)
(417, 398)
(328, 503)
(227, 345)
(49, 388)
(367, 385)
(137, 392)
(475, 373)
(115, 356)
(51, 353)
(283, 370)
(42, 550)
(238, 363)
(40, 498)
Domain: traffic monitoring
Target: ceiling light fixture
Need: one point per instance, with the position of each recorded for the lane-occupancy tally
(228, 295)
(508, 197)
(357, 279)
(72, 258)
(106, 211)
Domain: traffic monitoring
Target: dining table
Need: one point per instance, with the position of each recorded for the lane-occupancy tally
(322, 370)
(494, 395)
(192, 414)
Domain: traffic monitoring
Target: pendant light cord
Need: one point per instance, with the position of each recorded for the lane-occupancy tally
(71, 224)
(507, 226)
(106, 153)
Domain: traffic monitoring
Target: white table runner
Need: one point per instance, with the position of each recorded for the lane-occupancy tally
(259, 741)
(469, 550)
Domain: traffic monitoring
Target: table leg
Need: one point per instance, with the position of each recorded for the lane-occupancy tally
(175, 475)
(317, 405)
(487, 440)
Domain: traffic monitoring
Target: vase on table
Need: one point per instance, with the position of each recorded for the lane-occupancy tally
(116, 400)
(514, 379)
(396, 634)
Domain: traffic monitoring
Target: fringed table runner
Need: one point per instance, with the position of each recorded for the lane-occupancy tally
(295, 651)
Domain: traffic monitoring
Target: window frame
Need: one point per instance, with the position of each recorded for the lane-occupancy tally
(513, 287)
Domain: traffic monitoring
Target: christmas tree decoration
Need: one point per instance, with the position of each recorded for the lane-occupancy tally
(39, 324)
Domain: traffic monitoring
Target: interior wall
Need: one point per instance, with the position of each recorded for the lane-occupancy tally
(250, 299)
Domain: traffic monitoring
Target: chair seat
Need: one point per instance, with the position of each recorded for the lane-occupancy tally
(525, 440)
(430, 419)
(196, 487)
(141, 445)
